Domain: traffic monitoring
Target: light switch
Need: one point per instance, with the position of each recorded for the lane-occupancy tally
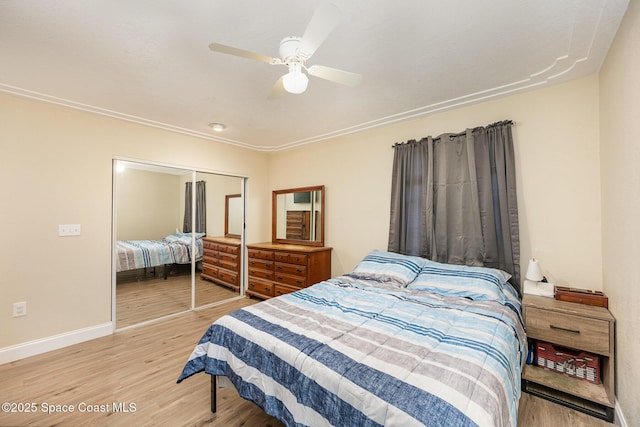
(69, 230)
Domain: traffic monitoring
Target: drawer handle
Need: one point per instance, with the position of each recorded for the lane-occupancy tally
(560, 328)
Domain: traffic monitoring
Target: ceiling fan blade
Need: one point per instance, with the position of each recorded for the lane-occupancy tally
(277, 91)
(335, 75)
(323, 21)
(229, 50)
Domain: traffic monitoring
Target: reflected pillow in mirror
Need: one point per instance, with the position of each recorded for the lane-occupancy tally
(184, 238)
(388, 267)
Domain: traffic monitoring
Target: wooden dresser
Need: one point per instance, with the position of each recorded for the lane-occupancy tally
(221, 261)
(276, 269)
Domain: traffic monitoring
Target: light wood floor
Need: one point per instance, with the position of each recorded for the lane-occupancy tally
(139, 367)
(142, 295)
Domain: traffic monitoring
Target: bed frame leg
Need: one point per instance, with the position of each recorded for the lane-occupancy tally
(213, 394)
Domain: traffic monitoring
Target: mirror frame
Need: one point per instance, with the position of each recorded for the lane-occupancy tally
(274, 214)
(226, 215)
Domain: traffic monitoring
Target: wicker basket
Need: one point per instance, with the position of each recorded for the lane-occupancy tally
(577, 364)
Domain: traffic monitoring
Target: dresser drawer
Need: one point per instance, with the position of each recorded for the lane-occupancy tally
(228, 259)
(292, 258)
(289, 279)
(206, 244)
(568, 330)
(261, 264)
(209, 253)
(211, 262)
(209, 272)
(294, 269)
(229, 249)
(260, 287)
(260, 254)
(283, 289)
(227, 276)
(229, 264)
(262, 274)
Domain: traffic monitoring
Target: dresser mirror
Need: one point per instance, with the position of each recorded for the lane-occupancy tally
(298, 216)
(233, 215)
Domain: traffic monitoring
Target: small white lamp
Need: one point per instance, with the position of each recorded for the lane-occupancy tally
(535, 283)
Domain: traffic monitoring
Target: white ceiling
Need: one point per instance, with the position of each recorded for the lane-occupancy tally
(148, 60)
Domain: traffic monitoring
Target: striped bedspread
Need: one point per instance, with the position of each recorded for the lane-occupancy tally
(133, 254)
(349, 352)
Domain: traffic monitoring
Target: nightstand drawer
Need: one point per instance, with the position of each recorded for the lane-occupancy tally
(568, 330)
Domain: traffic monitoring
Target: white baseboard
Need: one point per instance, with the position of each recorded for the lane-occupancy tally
(619, 417)
(43, 345)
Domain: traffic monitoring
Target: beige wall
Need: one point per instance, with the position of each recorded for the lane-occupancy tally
(148, 204)
(56, 168)
(218, 187)
(558, 172)
(620, 147)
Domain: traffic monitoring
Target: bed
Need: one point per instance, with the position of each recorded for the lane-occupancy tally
(174, 249)
(398, 341)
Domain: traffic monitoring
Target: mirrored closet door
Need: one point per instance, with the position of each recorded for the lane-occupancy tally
(172, 249)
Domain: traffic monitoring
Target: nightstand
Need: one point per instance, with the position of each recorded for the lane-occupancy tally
(579, 327)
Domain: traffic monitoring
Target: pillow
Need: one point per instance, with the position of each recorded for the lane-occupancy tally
(477, 283)
(184, 238)
(389, 267)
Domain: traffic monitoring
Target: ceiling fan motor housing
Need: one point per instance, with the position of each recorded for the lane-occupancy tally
(289, 50)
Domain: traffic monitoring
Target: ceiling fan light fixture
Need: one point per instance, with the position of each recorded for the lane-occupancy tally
(295, 81)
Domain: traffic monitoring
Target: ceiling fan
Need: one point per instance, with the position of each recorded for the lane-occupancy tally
(295, 52)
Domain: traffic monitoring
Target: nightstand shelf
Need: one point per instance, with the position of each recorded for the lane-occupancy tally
(580, 327)
(593, 392)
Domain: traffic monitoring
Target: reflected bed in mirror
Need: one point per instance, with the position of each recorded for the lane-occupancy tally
(298, 216)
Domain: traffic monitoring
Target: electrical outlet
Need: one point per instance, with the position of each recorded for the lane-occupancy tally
(69, 230)
(19, 309)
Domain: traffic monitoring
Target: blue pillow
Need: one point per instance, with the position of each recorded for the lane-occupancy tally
(389, 267)
(477, 283)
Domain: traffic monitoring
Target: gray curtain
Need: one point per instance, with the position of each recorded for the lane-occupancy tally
(453, 199)
(201, 208)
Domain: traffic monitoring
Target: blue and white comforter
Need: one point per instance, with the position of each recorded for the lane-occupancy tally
(173, 249)
(349, 352)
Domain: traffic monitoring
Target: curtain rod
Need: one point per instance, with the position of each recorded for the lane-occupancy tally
(453, 135)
